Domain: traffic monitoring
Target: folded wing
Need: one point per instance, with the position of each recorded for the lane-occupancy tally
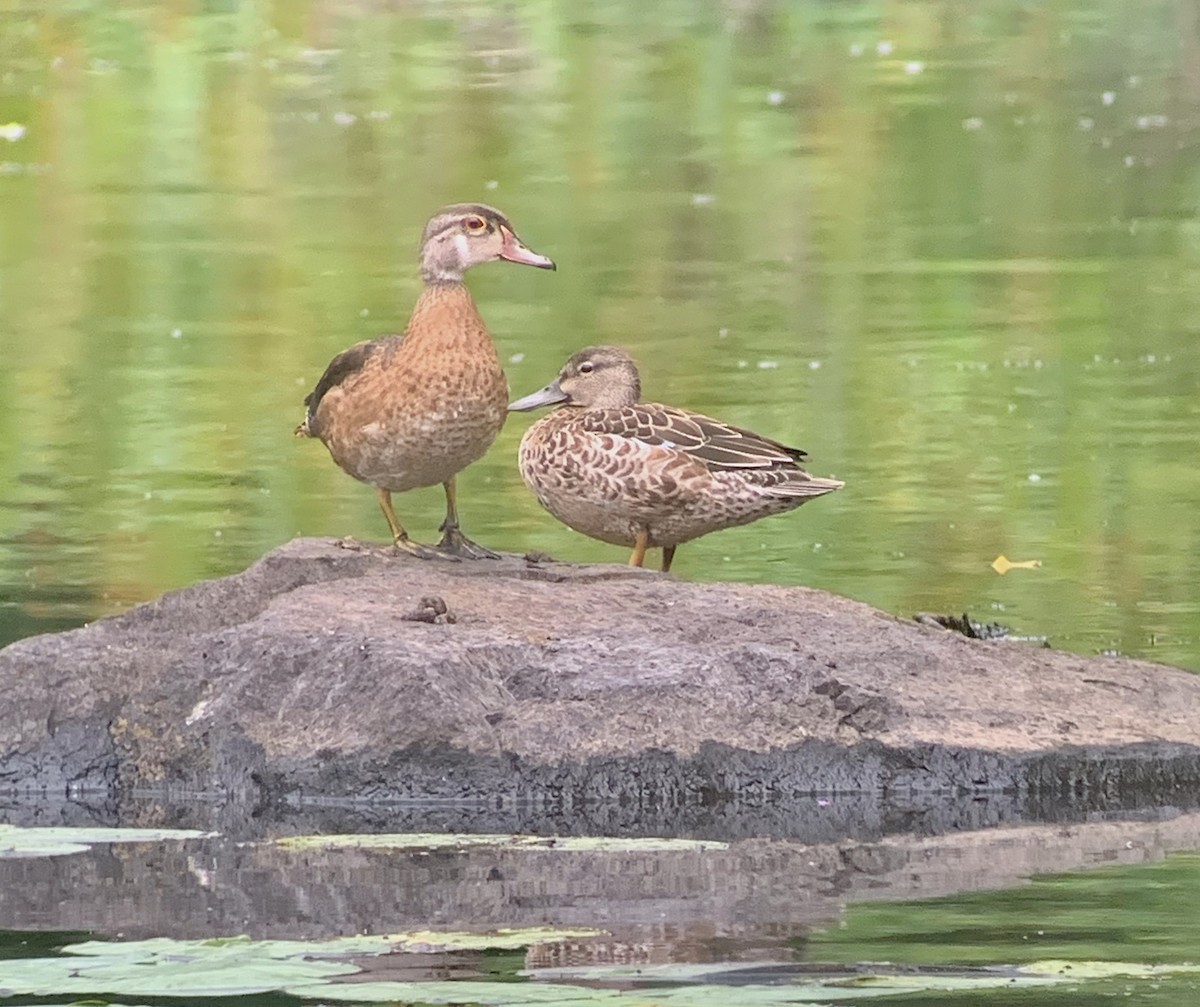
(719, 446)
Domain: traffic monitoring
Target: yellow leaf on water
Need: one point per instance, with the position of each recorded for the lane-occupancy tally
(1002, 564)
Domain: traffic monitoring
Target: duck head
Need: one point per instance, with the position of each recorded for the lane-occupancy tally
(463, 235)
(599, 377)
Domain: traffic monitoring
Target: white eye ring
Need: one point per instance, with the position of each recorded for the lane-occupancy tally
(586, 367)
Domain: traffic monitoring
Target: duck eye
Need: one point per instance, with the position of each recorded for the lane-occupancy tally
(586, 367)
(475, 224)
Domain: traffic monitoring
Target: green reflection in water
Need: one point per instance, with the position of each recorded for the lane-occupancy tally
(952, 253)
(1145, 913)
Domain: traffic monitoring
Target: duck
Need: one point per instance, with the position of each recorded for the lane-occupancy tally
(645, 475)
(406, 411)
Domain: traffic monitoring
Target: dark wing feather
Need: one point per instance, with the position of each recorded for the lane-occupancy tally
(720, 446)
(347, 363)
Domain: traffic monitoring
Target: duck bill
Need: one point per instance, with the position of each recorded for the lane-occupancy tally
(514, 251)
(551, 395)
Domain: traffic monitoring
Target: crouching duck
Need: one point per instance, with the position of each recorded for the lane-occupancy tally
(642, 475)
(402, 412)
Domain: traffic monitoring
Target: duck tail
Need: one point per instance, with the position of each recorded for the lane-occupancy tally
(803, 485)
(302, 429)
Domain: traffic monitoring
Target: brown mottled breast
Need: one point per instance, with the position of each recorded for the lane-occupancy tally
(403, 412)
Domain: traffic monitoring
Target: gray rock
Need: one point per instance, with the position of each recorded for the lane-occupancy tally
(329, 671)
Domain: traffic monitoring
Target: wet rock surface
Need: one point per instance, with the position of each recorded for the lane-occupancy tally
(349, 674)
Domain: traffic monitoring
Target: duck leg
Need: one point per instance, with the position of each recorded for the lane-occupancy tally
(400, 537)
(639, 548)
(668, 557)
(454, 542)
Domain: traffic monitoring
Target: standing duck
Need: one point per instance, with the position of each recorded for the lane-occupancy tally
(640, 474)
(401, 412)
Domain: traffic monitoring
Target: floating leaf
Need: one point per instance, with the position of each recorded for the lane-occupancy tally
(414, 942)
(227, 966)
(742, 996)
(490, 994)
(494, 994)
(239, 947)
(163, 978)
(233, 966)
(1002, 564)
(16, 841)
(925, 983)
(1082, 971)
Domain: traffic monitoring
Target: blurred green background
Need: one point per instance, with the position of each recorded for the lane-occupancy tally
(950, 249)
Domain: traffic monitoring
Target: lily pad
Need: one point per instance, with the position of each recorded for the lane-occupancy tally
(1084, 971)
(16, 841)
(140, 977)
(441, 841)
(893, 985)
(235, 966)
(231, 966)
(720, 995)
(239, 947)
(489, 994)
(493, 994)
(414, 942)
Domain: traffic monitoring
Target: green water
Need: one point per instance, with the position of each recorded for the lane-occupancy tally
(1127, 935)
(951, 252)
(1124, 914)
(1106, 915)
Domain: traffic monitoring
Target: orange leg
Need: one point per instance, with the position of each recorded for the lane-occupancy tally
(639, 549)
(668, 557)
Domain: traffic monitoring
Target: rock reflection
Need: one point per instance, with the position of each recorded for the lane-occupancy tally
(751, 901)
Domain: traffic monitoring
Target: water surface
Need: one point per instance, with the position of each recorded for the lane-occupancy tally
(951, 252)
(717, 916)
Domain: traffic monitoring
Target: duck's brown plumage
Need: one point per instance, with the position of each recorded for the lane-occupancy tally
(643, 474)
(400, 413)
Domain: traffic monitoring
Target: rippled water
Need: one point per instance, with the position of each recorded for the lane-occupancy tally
(747, 920)
(952, 253)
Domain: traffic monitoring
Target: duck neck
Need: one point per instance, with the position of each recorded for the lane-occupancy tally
(445, 314)
(435, 271)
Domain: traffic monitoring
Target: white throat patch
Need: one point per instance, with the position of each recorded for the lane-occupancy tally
(460, 246)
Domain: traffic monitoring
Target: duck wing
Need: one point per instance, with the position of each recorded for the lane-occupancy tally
(342, 371)
(717, 445)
